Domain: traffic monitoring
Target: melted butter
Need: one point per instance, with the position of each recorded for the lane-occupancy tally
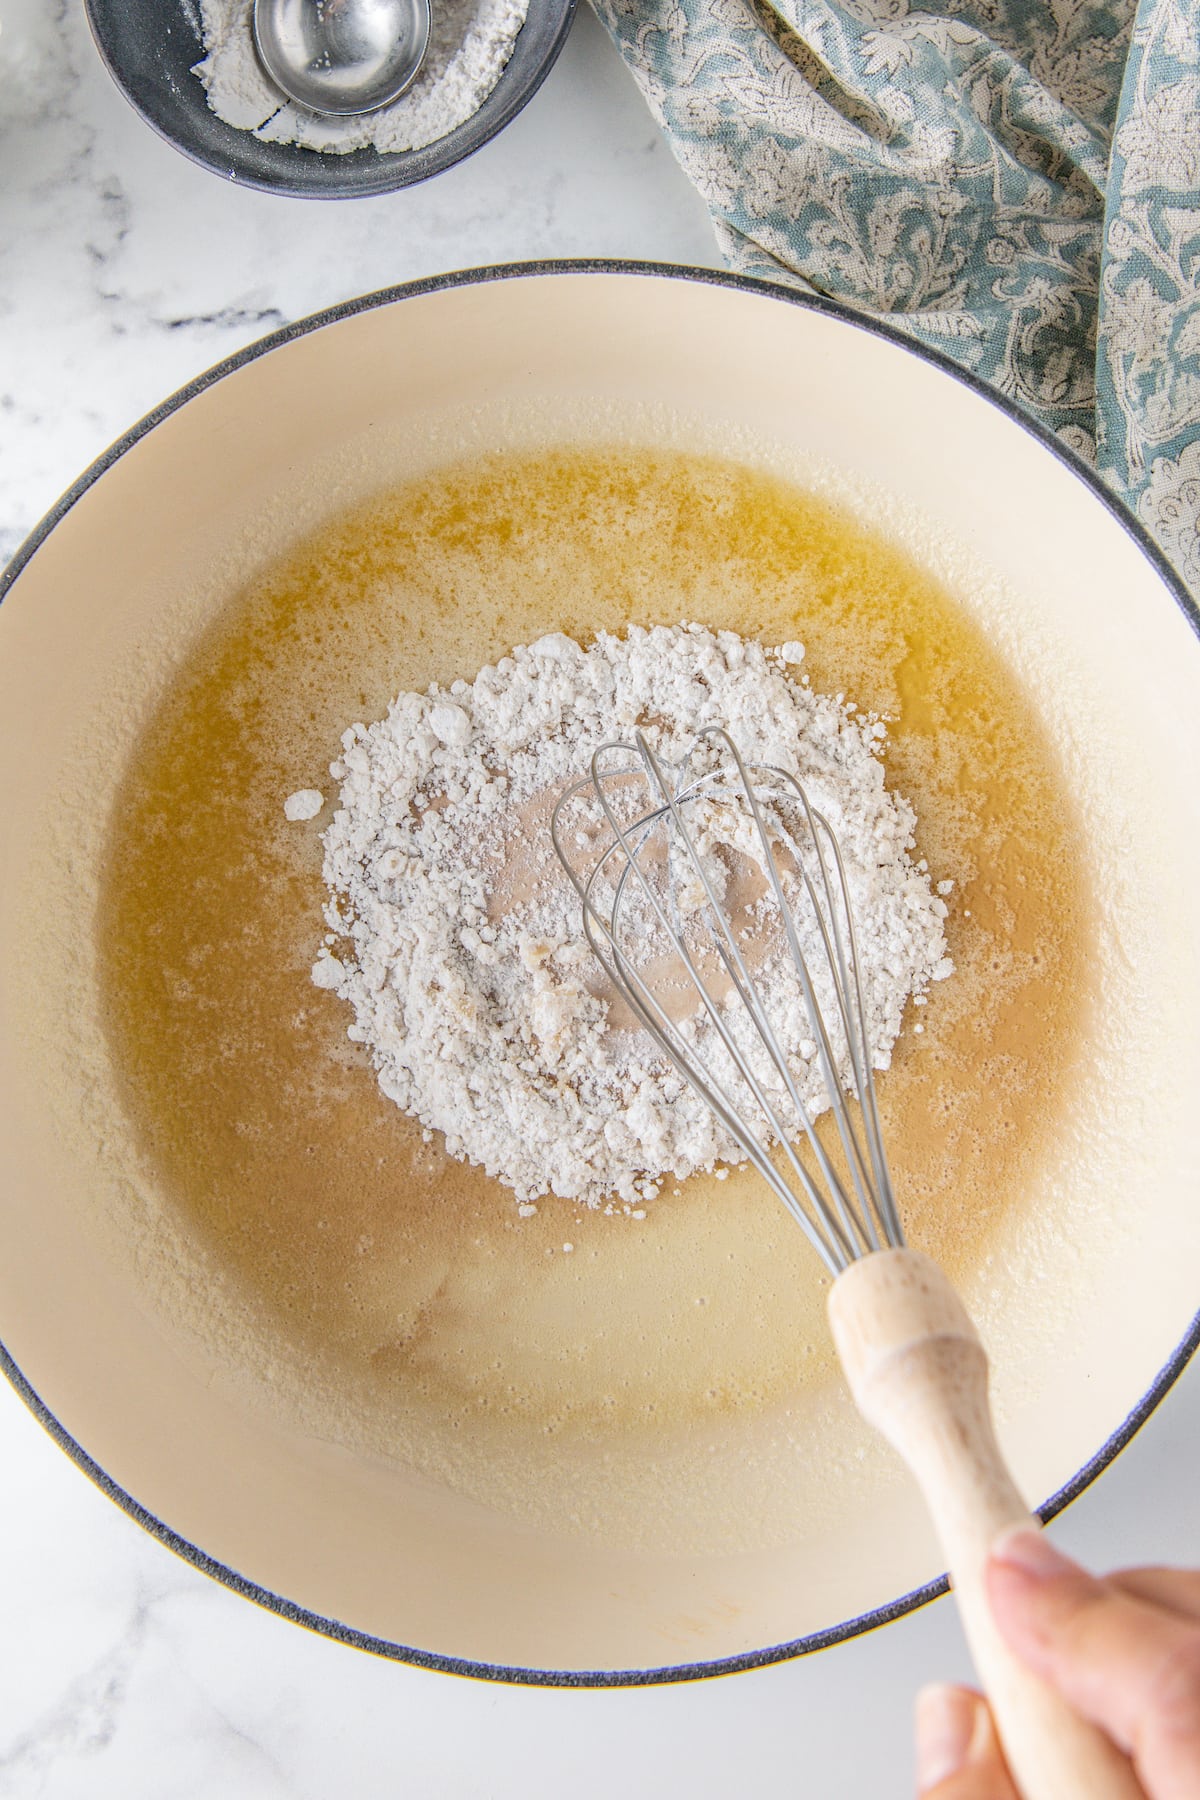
(406, 1273)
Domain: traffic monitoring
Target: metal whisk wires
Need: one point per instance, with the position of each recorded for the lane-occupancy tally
(650, 876)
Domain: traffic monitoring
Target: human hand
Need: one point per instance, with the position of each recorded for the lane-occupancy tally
(1123, 1650)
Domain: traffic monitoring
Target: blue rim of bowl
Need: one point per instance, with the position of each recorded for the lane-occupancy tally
(677, 1672)
(358, 174)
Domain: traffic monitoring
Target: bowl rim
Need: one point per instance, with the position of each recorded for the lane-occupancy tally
(378, 173)
(193, 1553)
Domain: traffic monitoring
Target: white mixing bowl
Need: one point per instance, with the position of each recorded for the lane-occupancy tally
(1089, 1309)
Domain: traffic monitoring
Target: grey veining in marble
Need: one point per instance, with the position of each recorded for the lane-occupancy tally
(125, 269)
(124, 1673)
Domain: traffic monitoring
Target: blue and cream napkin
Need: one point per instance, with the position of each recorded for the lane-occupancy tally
(1016, 182)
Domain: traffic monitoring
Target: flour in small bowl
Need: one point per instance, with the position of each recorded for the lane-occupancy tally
(469, 44)
(456, 938)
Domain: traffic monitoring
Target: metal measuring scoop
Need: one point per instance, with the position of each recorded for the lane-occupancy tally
(341, 56)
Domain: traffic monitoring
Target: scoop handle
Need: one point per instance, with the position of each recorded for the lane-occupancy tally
(919, 1374)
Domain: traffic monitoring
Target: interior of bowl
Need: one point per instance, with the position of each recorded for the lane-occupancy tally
(1084, 1296)
(150, 52)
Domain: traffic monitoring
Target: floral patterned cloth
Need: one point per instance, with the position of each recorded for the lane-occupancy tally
(1014, 181)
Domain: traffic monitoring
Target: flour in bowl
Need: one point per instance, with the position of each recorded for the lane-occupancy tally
(456, 938)
(470, 42)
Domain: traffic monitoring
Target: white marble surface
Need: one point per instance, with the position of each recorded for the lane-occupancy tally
(123, 271)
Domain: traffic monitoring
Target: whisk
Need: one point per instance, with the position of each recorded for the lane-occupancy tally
(707, 888)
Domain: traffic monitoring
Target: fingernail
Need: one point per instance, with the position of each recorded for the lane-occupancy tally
(1032, 1553)
(945, 1732)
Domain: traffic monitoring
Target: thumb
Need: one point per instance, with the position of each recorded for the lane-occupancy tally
(1129, 1666)
(958, 1753)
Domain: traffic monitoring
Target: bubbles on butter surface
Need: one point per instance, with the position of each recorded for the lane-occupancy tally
(266, 1129)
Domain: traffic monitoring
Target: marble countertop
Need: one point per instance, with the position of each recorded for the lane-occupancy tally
(125, 270)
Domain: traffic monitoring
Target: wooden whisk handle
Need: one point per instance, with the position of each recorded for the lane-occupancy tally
(919, 1374)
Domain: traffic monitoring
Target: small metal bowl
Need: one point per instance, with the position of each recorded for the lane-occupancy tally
(150, 50)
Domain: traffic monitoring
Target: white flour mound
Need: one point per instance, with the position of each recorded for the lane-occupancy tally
(457, 940)
(470, 42)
